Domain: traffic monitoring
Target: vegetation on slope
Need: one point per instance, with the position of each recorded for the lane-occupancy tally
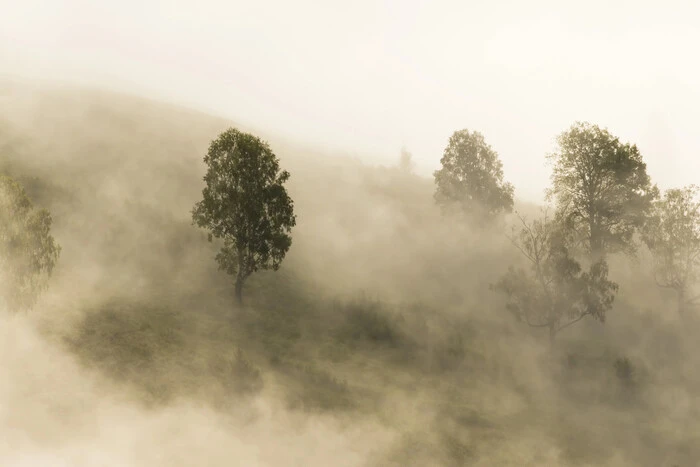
(381, 311)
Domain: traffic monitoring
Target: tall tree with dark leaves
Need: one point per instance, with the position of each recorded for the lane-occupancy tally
(471, 178)
(246, 205)
(601, 187)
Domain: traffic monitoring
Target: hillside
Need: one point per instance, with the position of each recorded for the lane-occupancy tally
(379, 341)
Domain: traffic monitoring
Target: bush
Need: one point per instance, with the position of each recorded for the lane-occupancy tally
(367, 321)
(239, 375)
(123, 337)
(625, 371)
(319, 391)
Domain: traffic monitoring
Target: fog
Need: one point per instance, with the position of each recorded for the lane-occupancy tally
(369, 77)
(129, 358)
(380, 341)
(56, 414)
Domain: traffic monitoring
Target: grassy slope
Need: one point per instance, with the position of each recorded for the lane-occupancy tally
(381, 309)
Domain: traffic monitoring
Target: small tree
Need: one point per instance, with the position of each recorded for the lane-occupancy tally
(245, 204)
(555, 293)
(406, 163)
(28, 252)
(471, 177)
(672, 234)
(601, 188)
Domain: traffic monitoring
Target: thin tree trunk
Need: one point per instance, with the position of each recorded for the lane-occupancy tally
(597, 252)
(240, 277)
(681, 300)
(239, 289)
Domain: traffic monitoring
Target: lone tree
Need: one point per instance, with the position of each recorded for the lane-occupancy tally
(28, 252)
(672, 234)
(555, 292)
(601, 188)
(471, 177)
(245, 204)
(406, 163)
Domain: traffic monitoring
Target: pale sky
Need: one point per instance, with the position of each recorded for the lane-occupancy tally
(368, 77)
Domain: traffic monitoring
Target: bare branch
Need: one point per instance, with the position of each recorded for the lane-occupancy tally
(573, 322)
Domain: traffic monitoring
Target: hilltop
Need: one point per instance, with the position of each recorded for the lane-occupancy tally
(381, 314)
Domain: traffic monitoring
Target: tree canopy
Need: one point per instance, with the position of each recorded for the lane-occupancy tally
(556, 292)
(471, 177)
(601, 187)
(672, 234)
(28, 251)
(245, 204)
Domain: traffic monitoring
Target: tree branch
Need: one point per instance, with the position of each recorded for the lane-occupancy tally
(573, 322)
(663, 286)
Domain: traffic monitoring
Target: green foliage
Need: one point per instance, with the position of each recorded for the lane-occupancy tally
(191, 352)
(471, 177)
(123, 336)
(624, 371)
(132, 342)
(238, 375)
(367, 322)
(672, 234)
(277, 330)
(556, 292)
(28, 252)
(601, 187)
(320, 390)
(161, 352)
(245, 204)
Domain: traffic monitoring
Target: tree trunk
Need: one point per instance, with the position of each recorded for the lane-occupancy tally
(681, 300)
(240, 277)
(597, 251)
(239, 288)
(596, 240)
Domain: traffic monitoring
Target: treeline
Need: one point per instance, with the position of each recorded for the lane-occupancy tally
(601, 202)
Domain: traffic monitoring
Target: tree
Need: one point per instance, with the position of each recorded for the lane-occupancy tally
(601, 188)
(471, 177)
(555, 292)
(672, 234)
(246, 205)
(406, 163)
(28, 252)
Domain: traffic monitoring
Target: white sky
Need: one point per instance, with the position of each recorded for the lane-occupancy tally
(368, 77)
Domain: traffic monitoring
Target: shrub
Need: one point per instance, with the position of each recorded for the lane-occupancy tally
(625, 371)
(239, 375)
(320, 390)
(367, 321)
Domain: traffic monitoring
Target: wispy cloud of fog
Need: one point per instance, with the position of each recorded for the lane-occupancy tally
(120, 176)
(55, 413)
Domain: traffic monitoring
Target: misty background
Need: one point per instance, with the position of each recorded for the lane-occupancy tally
(379, 341)
(368, 77)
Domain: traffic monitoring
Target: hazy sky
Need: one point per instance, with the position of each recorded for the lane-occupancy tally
(368, 77)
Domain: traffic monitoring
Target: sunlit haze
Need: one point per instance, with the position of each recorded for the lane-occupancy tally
(173, 293)
(368, 77)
